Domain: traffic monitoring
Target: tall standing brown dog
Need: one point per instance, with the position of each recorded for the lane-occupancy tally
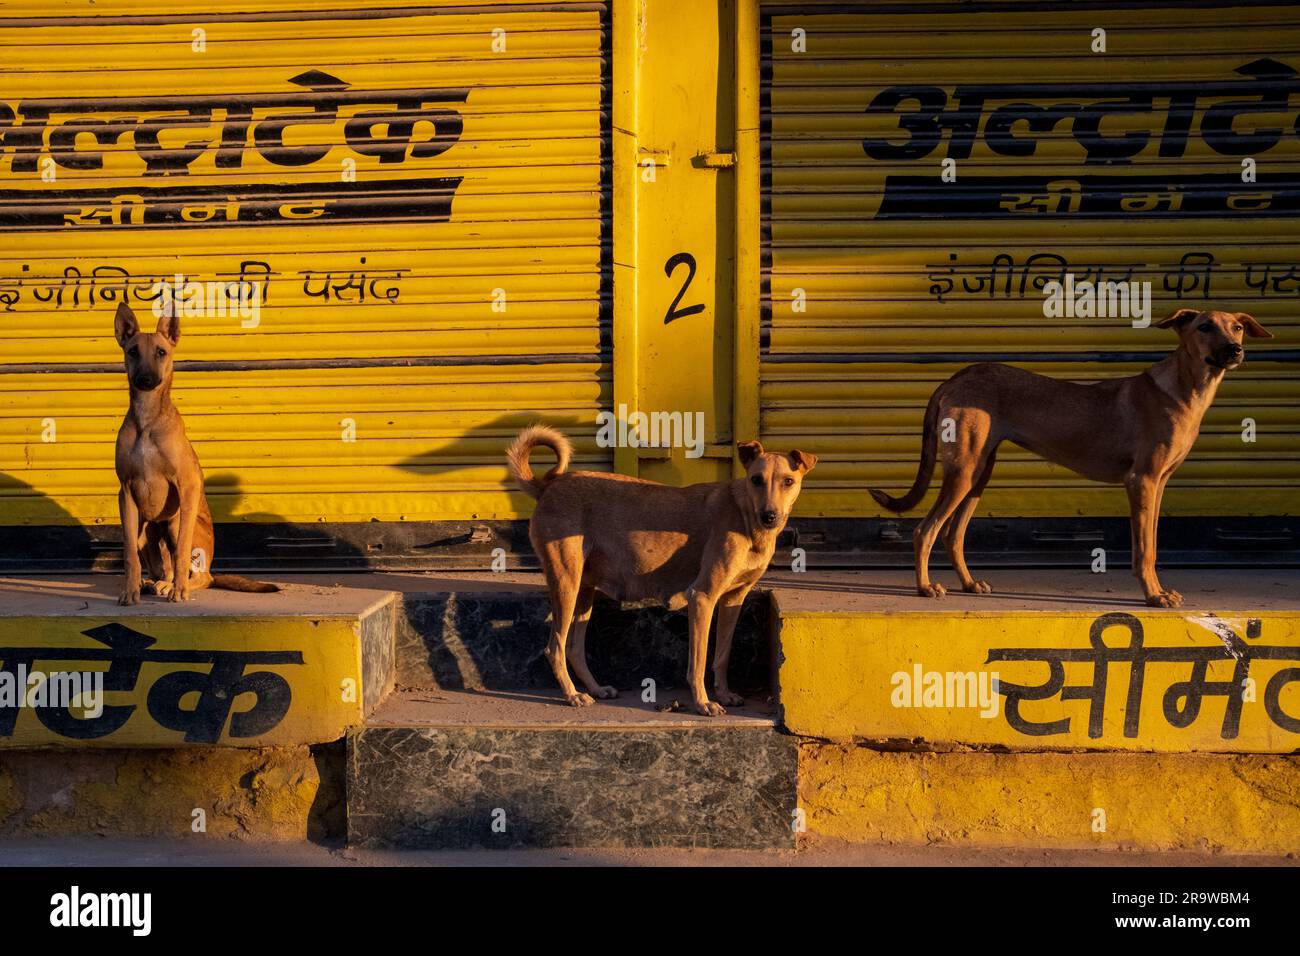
(699, 547)
(165, 518)
(1132, 431)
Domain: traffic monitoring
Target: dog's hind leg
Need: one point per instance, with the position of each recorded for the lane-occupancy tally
(562, 562)
(963, 439)
(957, 482)
(954, 532)
(578, 644)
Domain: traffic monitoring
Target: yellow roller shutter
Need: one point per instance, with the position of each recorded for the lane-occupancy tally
(422, 196)
(887, 267)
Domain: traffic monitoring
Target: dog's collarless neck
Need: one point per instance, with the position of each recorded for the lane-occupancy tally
(1182, 384)
(758, 536)
(147, 408)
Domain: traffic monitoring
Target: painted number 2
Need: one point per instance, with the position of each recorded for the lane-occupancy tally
(671, 265)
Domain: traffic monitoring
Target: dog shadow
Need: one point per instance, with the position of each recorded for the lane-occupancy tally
(266, 541)
(783, 581)
(49, 538)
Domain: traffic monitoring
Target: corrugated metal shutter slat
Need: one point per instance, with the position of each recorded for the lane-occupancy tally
(880, 280)
(478, 249)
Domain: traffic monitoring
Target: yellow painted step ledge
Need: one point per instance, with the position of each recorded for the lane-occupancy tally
(1119, 801)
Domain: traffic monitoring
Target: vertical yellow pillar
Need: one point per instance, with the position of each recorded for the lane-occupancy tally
(674, 120)
(749, 224)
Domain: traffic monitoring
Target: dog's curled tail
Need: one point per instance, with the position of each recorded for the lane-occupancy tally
(517, 457)
(235, 582)
(925, 471)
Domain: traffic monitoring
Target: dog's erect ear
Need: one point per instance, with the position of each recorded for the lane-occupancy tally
(1177, 318)
(748, 451)
(1253, 328)
(169, 323)
(124, 324)
(802, 460)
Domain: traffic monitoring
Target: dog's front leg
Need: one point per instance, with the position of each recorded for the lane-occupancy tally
(1144, 496)
(1154, 539)
(728, 615)
(189, 512)
(700, 610)
(130, 515)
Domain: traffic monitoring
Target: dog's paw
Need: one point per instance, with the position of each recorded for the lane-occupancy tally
(1165, 599)
(129, 596)
(728, 698)
(176, 595)
(977, 587)
(710, 708)
(935, 590)
(579, 699)
(160, 588)
(606, 692)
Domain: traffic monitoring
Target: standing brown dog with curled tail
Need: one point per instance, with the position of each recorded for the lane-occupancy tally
(1132, 431)
(166, 524)
(701, 547)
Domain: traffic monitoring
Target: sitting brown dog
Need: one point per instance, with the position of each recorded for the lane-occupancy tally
(698, 547)
(166, 524)
(1133, 431)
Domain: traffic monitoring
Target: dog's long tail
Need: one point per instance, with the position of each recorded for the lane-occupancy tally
(925, 471)
(517, 457)
(235, 582)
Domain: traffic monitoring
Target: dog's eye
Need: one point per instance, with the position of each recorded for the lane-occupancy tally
(1236, 328)
(1205, 327)
(757, 481)
(133, 351)
(788, 482)
(162, 353)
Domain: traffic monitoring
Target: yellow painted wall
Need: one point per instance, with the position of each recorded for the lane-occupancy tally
(1207, 803)
(257, 682)
(853, 677)
(286, 794)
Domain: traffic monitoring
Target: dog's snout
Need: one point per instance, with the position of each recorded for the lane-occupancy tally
(769, 517)
(145, 382)
(1235, 349)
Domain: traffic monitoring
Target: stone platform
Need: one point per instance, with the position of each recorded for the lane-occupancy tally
(421, 705)
(501, 770)
(249, 670)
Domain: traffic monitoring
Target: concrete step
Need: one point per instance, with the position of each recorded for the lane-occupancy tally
(487, 632)
(1057, 712)
(1049, 661)
(286, 669)
(456, 769)
(1097, 697)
